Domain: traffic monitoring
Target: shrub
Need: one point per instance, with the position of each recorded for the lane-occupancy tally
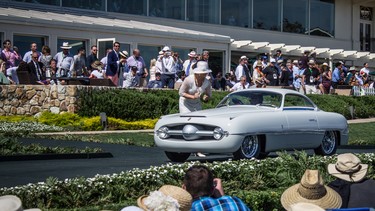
(131, 104)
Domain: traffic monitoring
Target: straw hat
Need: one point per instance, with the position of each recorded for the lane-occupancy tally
(295, 61)
(202, 67)
(183, 197)
(124, 54)
(303, 206)
(97, 65)
(244, 58)
(311, 62)
(259, 64)
(325, 64)
(166, 48)
(12, 203)
(311, 190)
(348, 167)
(65, 45)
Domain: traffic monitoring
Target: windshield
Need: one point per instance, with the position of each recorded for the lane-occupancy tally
(256, 98)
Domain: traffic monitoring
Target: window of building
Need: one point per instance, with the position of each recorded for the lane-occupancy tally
(236, 13)
(50, 2)
(23, 42)
(149, 52)
(182, 52)
(83, 4)
(205, 11)
(135, 7)
(76, 44)
(216, 61)
(295, 16)
(322, 18)
(267, 14)
(167, 9)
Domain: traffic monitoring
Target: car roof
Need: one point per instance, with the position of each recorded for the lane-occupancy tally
(276, 90)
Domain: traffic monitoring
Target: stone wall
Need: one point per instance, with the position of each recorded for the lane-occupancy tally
(32, 99)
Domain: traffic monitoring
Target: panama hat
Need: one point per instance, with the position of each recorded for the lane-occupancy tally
(183, 197)
(311, 62)
(311, 190)
(166, 48)
(259, 64)
(348, 167)
(295, 61)
(65, 45)
(352, 68)
(124, 54)
(97, 65)
(192, 54)
(244, 58)
(13, 203)
(325, 64)
(303, 206)
(202, 67)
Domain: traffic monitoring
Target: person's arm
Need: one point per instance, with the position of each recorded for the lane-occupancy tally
(183, 91)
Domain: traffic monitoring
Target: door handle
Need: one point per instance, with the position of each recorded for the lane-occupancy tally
(312, 120)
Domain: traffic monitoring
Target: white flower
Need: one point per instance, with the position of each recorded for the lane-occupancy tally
(157, 201)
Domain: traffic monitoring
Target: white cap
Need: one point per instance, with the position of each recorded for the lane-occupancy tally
(244, 57)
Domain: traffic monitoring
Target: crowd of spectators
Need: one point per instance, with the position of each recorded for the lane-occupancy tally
(167, 70)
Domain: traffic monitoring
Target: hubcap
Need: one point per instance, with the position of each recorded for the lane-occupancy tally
(329, 142)
(250, 146)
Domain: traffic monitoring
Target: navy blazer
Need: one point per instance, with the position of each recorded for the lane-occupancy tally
(33, 74)
(112, 65)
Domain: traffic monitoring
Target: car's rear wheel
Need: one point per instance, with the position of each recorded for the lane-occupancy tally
(328, 145)
(250, 148)
(177, 156)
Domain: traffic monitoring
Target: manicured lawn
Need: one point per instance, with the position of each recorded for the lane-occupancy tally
(138, 139)
(362, 134)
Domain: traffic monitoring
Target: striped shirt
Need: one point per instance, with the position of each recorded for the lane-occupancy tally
(224, 203)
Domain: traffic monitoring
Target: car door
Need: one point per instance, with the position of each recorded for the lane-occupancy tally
(302, 130)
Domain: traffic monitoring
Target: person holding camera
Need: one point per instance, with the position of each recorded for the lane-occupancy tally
(207, 191)
(166, 66)
(136, 60)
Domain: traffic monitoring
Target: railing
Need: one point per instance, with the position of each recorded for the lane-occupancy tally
(361, 91)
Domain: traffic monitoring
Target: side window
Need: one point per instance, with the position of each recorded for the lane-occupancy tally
(296, 101)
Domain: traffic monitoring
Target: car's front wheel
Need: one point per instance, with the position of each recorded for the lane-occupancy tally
(177, 156)
(328, 145)
(250, 148)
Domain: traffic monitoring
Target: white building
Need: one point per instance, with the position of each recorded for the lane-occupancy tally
(333, 29)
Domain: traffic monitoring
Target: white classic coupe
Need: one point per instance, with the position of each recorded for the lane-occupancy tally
(250, 124)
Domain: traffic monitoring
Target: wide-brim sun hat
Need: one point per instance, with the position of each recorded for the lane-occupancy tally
(202, 68)
(66, 45)
(348, 167)
(311, 190)
(181, 195)
(97, 64)
(124, 54)
(303, 206)
(13, 203)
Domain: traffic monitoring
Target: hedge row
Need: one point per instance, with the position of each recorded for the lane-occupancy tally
(134, 105)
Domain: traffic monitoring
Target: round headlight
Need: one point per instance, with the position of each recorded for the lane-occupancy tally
(218, 133)
(163, 132)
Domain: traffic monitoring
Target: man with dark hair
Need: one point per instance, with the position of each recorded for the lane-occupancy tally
(92, 57)
(336, 75)
(207, 191)
(113, 61)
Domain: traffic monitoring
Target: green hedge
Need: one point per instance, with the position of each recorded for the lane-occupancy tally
(134, 104)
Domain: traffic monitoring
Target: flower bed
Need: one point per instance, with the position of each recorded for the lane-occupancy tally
(259, 183)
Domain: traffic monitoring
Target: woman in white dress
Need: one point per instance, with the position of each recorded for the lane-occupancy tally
(195, 87)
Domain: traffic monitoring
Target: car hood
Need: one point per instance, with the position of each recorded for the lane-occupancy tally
(228, 111)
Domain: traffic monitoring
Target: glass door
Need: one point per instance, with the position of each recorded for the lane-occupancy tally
(103, 45)
(365, 36)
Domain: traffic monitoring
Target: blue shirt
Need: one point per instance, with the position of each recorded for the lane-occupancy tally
(224, 203)
(336, 75)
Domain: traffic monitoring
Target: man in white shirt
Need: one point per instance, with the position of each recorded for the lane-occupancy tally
(242, 84)
(365, 69)
(65, 61)
(33, 48)
(167, 68)
(243, 70)
(188, 64)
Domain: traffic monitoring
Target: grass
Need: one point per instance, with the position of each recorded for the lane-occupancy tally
(138, 139)
(362, 134)
(359, 134)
